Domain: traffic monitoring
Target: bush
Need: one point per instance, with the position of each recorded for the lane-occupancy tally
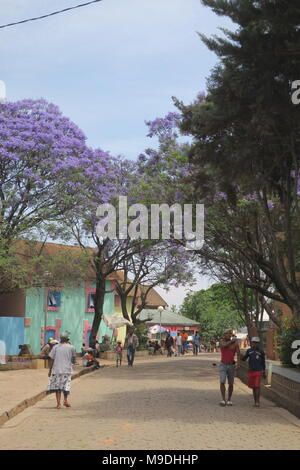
(290, 333)
(141, 332)
(104, 347)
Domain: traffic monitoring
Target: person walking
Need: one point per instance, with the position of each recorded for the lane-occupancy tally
(229, 349)
(132, 343)
(119, 351)
(179, 344)
(184, 337)
(62, 356)
(196, 343)
(257, 368)
(169, 345)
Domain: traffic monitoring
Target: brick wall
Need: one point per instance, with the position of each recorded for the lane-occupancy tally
(283, 391)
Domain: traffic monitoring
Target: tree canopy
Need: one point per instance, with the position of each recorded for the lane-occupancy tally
(214, 309)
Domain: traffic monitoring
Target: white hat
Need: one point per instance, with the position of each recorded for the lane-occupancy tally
(54, 341)
(255, 339)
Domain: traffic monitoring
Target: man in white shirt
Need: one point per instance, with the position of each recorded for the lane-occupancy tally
(179, 344)
(62, 357)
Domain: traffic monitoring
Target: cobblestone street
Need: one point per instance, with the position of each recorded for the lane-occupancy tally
(163, 404)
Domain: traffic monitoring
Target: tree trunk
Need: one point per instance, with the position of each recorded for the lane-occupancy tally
(99, 302)
(123, 299)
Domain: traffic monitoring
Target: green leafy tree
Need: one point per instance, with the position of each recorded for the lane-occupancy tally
(290, 332)
(246, 145)
(141, 332)
(214, 309)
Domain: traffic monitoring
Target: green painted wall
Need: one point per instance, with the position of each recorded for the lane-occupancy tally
(35, 311)
(72, 313)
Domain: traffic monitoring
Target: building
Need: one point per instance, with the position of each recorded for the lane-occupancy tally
(34, 315)
(171, 321)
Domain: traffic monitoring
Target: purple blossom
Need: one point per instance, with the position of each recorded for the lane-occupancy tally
(43, 156)
(165, 127)
(221, 195)
(298, 187)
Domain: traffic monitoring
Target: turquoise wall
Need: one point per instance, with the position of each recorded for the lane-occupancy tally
(72, 314)
(35, 311)
(12, 333)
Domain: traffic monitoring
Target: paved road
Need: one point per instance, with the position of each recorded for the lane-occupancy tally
(165, 404)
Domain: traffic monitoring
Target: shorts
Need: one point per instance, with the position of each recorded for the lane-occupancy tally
(119, 356)
(254, 379)
(226, 371)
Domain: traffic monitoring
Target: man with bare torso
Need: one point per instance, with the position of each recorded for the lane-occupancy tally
(229, 349)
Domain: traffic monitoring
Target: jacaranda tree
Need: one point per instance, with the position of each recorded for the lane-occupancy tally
(44, 163)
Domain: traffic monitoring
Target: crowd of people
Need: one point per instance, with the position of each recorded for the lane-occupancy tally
(182, 344)
(62, 356)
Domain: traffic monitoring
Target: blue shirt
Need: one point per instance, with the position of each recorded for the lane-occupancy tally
(257, 361)
(196, 340)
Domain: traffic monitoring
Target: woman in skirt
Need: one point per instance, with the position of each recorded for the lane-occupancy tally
(62, 357)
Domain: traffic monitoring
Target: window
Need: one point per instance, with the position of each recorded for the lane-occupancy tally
(54, 300)
(49, 334)
(90, 293)
(91, 300)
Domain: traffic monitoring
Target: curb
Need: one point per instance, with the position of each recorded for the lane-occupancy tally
(7, 415)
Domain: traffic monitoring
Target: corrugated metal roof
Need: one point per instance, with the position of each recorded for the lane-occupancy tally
(168, 318)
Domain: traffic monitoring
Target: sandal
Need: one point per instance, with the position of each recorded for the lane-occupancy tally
(57, 407)
(67, 404)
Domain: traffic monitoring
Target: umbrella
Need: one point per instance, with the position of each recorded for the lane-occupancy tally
(157, 329)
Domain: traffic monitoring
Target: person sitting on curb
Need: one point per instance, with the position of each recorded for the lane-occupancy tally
(45, 351)
(257, 368)
(90, 359)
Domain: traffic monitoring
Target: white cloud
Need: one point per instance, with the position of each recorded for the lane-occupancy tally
(175, 296)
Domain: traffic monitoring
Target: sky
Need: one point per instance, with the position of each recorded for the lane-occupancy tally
(109, 66)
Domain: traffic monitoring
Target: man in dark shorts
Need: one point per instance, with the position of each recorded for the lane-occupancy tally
(257, 368)
(229, 348)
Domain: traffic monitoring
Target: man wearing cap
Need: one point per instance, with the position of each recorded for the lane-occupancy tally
(229, 349)
(257, 368)
(45, 351)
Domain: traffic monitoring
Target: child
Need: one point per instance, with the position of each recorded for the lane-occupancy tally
(257, 368)
(119, 351)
